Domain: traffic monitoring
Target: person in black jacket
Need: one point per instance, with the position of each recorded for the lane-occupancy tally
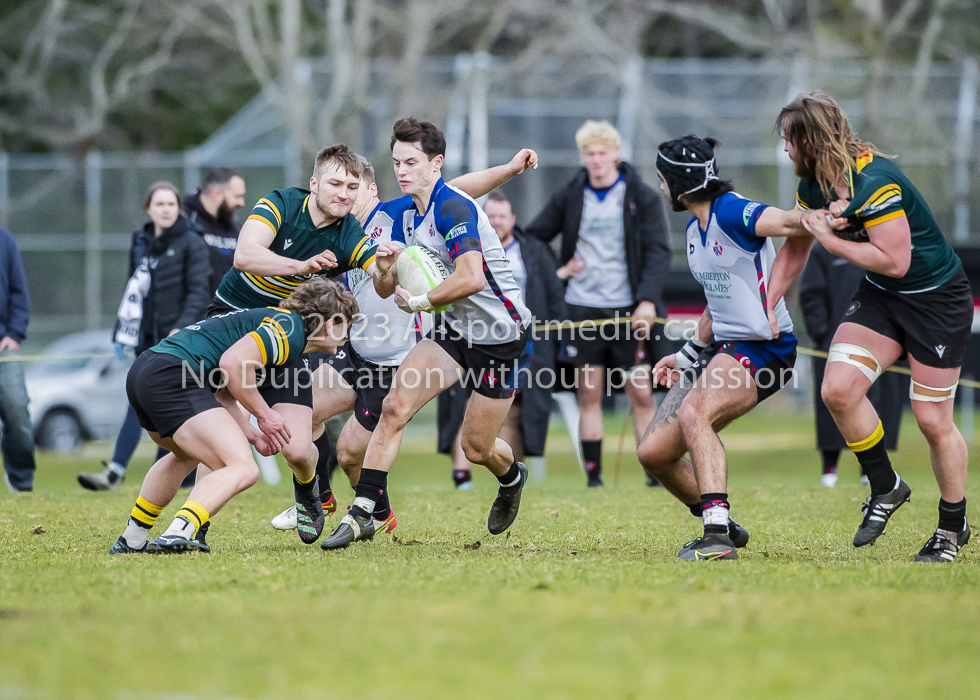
(526, 427)
(827, 286)
(211, 209)
(169, 271)
(17, 444)
(615, 259)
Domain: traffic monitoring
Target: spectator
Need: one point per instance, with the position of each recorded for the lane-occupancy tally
(826, 287)
(525, 428)
(15, 313)
(167, 290)
(615, 258)
(211, 208)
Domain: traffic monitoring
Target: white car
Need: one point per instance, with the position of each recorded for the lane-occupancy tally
(75, 397)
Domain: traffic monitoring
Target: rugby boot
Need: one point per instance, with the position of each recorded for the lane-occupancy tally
(503, 512)
(120, 547)
(737, 534)
(172, 544)
(383, 525)
(202, 533)
(877, 511)
(309, 511)
(109, 479)
(352, 528)
(286, 520)
(708, 547)
(329, 503)
(943, 546)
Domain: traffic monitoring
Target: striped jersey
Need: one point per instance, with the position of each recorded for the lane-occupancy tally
(286, 212)
(733, 265)
(452, 225)
(880, 192)
(278, 333)
(383, 333)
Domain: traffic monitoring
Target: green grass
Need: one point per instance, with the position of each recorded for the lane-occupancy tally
(583, 598)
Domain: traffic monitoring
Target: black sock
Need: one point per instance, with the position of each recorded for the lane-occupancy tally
(306, 489)
(592, 456)
(369, 490)
(952, 516)
(875, 463)
(712, 500)
(382, 507)
(512, 477)
(323, 473)
(830, 459)
(695, 509)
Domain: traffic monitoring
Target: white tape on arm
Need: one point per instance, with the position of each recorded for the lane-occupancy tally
(420, 303)
(688, 354)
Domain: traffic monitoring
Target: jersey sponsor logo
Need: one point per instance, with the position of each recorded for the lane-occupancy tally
(940, 349)
(748, 211)
(690, 249)
(286, 243)
(457, 231)
(714, 281)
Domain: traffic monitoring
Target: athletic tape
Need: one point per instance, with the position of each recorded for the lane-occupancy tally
(856, 356)
(921, 392)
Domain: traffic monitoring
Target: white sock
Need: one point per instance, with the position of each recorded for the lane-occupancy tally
(717, 515)
(365, 504)
(181, 527)
(135, 535)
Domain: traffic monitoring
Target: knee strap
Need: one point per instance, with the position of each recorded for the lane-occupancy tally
(921, 392)
(856, 356)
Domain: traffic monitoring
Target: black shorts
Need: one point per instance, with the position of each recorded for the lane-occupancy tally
(769, 362)
(933, 327)
(494, 371)
(162, 396)
(611, 346)
(290, 383)
(371, 383)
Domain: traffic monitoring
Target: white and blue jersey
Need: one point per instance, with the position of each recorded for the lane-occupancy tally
(733, 265)
(453, 224)
(383, 333)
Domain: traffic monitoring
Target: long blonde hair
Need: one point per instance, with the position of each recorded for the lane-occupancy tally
(815, 119)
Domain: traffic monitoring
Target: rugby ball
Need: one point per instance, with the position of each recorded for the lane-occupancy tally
(420, 271)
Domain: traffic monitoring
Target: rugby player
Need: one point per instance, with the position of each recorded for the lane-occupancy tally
(172, 389)
(488, 333)
(914, 301)
(292, 235)
(734, 360)
(380, 339)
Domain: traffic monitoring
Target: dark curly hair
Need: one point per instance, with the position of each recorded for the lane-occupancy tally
(318, 300)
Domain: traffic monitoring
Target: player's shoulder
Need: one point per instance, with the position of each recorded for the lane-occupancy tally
(875, 173)
(395, 207)
(733, 207)
(452, 206)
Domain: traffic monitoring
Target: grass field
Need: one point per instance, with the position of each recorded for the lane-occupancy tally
(583, 598)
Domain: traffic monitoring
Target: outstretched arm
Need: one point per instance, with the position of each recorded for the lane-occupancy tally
(484, 181)
(253, 254)
(888, 250)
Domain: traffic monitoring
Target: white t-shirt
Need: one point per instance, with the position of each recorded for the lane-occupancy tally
(602, 247)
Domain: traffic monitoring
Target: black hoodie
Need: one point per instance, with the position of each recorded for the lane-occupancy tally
(179, 271)
(221, 237)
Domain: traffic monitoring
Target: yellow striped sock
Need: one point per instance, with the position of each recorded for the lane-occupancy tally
(145, 513)
(869, 441)
(194, 513)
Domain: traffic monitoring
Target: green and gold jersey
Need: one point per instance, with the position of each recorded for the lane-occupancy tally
(298, 238)
(279, 334)
(880, 192)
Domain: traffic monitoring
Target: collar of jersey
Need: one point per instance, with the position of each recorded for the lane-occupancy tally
(374, 211)
(432, 198)
(711, 213)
